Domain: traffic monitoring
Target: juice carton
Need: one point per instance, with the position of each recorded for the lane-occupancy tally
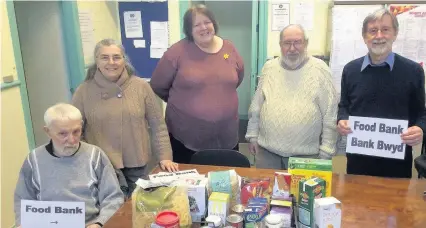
(306, 168)
(219, 205)
(328, 213)
(309, 190)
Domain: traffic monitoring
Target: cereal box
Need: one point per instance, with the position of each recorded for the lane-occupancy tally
(309, 190)
(328, 213)
(219, 205)
(306, 168)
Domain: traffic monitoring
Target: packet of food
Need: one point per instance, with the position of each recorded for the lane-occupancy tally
(226, 182)
(282, 183)
(251, 188)
(147, 203)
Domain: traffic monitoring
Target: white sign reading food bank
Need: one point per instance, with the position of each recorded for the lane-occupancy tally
(376, 137)
(52, 214)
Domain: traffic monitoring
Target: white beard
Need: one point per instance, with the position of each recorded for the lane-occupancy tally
(381, 49)
(66, 151)
(294, 63)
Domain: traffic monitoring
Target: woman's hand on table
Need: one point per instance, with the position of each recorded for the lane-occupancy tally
(169, 165)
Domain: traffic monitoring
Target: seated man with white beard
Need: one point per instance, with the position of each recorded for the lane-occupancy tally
(66, 169)
(293, 112)
(383, 84)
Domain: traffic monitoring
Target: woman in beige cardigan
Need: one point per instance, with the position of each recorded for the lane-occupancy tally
(117, 108)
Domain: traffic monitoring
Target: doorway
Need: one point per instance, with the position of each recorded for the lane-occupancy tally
(44, 58)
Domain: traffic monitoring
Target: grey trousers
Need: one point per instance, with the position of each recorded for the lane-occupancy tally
(127, 178)
(265, 159)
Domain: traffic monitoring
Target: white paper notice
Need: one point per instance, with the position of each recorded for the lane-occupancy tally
(280, 15)
(87, 34)
(43, 214)
(304, 14)
(133, 24)
(376, 137)
(159, 34)
(157, 53)
(139, 43)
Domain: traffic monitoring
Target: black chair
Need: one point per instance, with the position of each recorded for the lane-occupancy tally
(420, 161)
(220, 158)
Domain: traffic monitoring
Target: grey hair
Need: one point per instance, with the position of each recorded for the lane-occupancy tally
(377, 15)
(108, 42)
(61, 111)
(291, 25)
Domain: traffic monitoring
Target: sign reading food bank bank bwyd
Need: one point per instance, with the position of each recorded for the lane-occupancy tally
(376, 137)
(52, 214)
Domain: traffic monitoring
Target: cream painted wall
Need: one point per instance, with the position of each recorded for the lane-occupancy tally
(14, 143)
(317, 36)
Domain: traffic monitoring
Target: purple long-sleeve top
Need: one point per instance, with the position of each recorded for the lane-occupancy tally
(201, 93)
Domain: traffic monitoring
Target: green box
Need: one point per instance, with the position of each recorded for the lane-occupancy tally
(309, 190)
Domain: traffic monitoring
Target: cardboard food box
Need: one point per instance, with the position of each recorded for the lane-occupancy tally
(197, 196)
(255, 212)
(307, 168)
(219, 205)
(328, 213)
(309, 190)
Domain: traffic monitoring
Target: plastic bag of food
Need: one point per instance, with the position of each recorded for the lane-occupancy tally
(251, 188)
(147, 203)
(225, 182)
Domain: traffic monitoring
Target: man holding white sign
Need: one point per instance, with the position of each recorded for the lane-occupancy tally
(383, 97)
(67, 170)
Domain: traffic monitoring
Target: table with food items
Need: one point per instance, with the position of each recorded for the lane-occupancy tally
(307, 195)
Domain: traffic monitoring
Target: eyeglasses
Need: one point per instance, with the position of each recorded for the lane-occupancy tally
(375, 31)
(115, 58)
(297, 44)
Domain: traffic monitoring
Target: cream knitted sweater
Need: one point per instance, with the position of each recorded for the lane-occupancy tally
(294, 112)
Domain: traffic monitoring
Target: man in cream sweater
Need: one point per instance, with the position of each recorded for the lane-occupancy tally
(293, 112)
(66, 169)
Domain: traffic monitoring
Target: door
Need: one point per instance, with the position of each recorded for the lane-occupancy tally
(44, 58)
(241, 30)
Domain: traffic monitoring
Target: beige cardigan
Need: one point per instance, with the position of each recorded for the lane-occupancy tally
(116, 118)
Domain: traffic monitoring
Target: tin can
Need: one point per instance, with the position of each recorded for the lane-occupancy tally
(235, 220)
(238, 209)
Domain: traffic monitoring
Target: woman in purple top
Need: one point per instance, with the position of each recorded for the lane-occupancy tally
(198, 78)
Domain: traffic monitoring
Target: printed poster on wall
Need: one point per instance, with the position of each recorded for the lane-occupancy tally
(411, 41)
(376, 137)
(133, 24)
(280, 15)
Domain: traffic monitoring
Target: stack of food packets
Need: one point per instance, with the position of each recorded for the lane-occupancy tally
(219, 205)
(328, 213)
(309, 190)
(255, 211)
(306, 168)
(281, 202)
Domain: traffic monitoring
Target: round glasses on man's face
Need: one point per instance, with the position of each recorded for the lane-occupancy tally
(296, 43)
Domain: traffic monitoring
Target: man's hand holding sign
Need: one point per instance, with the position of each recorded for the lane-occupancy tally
(379, 137)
